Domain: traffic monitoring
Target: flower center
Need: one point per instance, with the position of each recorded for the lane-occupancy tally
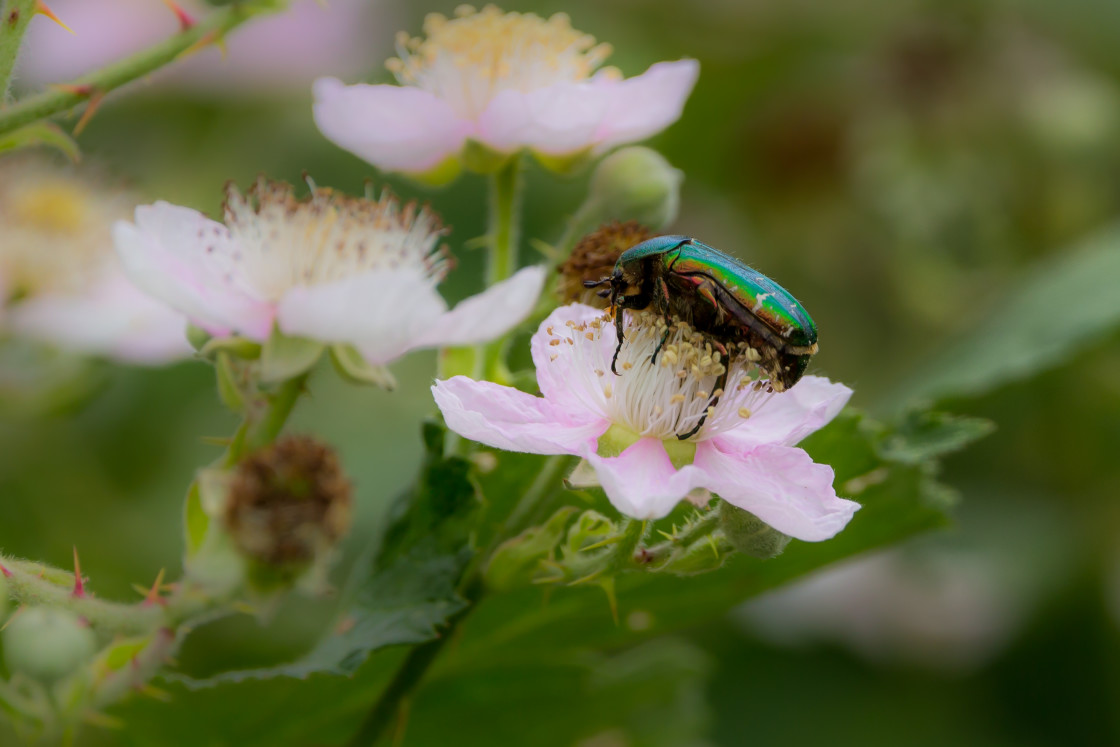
(689, 383)
(468, 59)
(282, 241)
(51, 207)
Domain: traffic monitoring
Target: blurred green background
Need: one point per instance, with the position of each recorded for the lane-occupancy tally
(900, 165)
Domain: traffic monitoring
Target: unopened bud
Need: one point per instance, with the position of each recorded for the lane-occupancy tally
(634, 183)
(749, 534)
(47, 643)
(289, 505)
(594, 257)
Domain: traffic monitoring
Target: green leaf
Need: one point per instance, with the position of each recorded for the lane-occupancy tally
(922, 436)
(41, 133)
(353, 367)
(407, 587)
(1061, 306)
(284, 357)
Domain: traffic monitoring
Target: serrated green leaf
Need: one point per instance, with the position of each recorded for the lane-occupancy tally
(1059, 307)
(922, 436)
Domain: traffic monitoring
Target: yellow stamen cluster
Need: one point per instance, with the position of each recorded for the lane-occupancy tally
(56, 227)
(470, 57)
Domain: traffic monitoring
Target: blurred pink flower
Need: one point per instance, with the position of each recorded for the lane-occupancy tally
(626, 426)
(506, 80)
(61, 281)
(281, 52)
(330, 268)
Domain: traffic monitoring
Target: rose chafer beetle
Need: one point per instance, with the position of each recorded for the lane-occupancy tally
(678, 276)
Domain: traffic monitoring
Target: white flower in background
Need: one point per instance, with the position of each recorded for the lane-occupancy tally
(285, 51)
(505, 80)
(60, 280)
(330, 268)
(626, 427)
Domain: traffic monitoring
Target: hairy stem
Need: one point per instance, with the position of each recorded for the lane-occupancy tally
(14, 17)
(504, 225)
(59, 99)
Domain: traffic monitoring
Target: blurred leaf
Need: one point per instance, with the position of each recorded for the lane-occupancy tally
(41, 133)
(922, 436)
(411, 587)
(1062, 305)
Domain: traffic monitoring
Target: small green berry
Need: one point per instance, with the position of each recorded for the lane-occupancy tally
(47, 643)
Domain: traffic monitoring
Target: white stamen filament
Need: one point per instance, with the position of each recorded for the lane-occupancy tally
(665, 399)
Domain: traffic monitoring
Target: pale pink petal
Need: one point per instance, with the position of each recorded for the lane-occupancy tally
(397, 128)
(488, 315)
(781, 485)
(561, 368)
(792, 415)
(648, 103)
(184, 259)
(381, 313)
(506, 418)
(641, 482)
(113, 319)
(561, 118)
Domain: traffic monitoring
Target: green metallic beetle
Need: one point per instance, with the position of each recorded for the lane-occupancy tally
(719, 296)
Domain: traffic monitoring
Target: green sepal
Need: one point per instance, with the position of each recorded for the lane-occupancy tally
(238, 347)
(440, 175)
(195, 520)
(482, 159)
(41, 133)
(229, 391)
(284, 357)
(517, 561)
(749, 534)
(566, 164)
(352, 367)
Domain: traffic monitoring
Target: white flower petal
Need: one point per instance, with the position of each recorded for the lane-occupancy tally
(394, 128)
(790, 416)
(487, 315)
(564, 373)
(781, 485)
(506, 418)
(184, 259)
(641, 482)
(648, 103)
(381, 313)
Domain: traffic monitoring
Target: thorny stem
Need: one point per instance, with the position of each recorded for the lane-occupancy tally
(14, 17)
(209, 30)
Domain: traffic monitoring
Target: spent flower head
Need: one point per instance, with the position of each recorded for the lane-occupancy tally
(506, 81)
(60, 281)
(593, 258)
(328, 267)
(627, 427)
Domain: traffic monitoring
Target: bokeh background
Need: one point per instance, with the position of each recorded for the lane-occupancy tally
(900, 164)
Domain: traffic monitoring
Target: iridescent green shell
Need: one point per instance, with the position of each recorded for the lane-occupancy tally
(741, 292)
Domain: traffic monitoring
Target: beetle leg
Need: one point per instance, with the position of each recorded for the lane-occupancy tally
(663, 300)
(721, 384)
(618, 334)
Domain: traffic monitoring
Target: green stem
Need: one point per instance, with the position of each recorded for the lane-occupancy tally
(263, 429)
(14, 17)
(388, 709)
(210, 29)
(504, 228)
(538, 492)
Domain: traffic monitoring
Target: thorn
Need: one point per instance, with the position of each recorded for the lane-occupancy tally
(153, 597)
(11, 617)
(95, 100)
(79, 586)
(185, 20)
(666, 535)
(608, 541)
(42, 9)
(715, 549)
(85, 90)
(589, 577)
(7, 573)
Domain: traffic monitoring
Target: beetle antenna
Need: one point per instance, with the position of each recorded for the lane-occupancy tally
(597, 283)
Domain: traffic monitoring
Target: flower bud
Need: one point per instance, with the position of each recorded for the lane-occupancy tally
(634, 183)
(47, 643)
(288, 505)
(749, 534)
(594, 257)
